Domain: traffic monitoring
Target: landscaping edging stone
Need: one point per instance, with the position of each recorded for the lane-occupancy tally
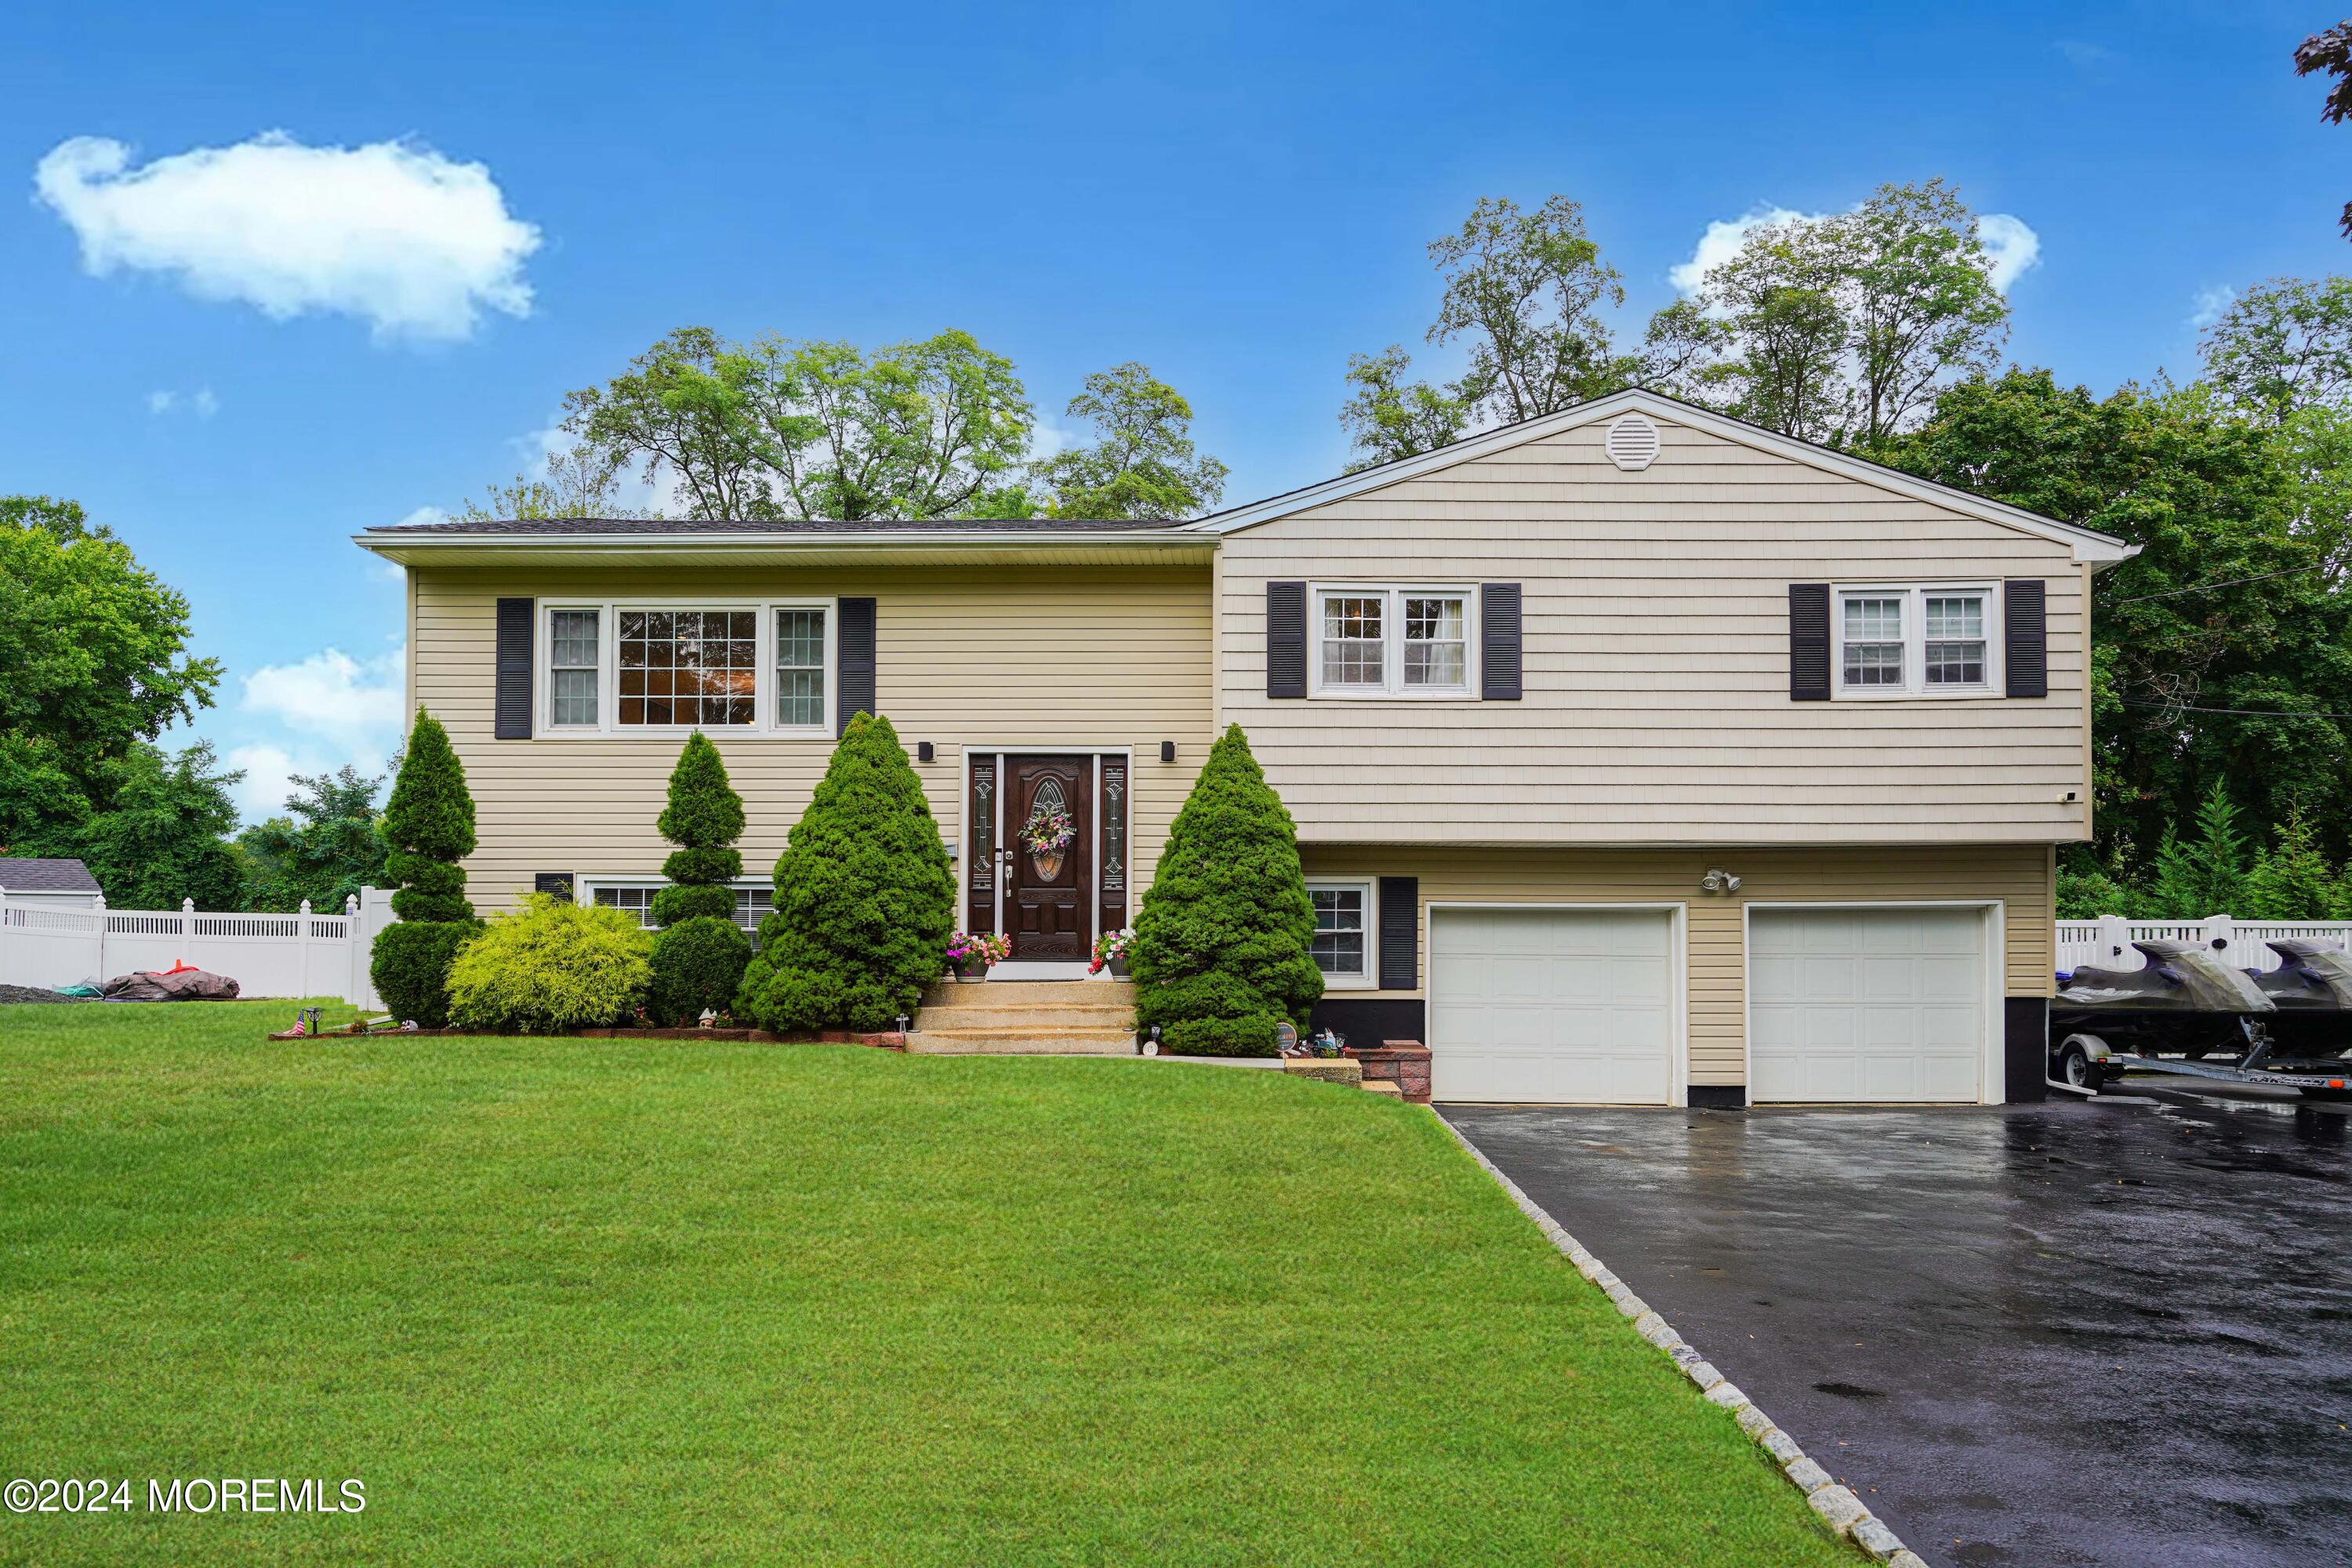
(1837, 1505)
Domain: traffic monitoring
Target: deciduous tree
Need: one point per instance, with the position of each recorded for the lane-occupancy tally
(1142, 462)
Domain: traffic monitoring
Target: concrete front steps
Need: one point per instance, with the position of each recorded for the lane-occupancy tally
(1026, 1017)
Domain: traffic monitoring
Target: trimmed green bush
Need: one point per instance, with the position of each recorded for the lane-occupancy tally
(549, 966)
(1220, 953)
(1249, 1036)
(410, 967)
(696, 964)
(864, 900)
(429, 824)
(699, 957)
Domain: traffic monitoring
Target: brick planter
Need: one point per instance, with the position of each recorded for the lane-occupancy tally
(1404, 1063)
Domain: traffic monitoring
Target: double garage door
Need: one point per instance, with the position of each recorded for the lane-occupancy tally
(1582, 1007)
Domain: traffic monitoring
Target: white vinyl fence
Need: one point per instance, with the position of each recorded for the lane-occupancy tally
(2108, 941)
(303, 954)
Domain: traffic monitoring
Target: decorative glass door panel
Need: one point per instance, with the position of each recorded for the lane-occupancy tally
(1049, 878)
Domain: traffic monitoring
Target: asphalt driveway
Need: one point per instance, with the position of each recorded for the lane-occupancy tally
(2107, 1332)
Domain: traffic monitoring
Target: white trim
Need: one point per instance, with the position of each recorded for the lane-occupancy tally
(2088, 546)
(584, 884)
(1369, 887)
(1677, 914)
(608, 608)
(1392, 687)
(1915, 686)
(1991, 1062)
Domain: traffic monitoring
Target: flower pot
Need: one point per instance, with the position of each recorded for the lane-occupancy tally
(972, 970)
(1048, 863)
(1118, 967)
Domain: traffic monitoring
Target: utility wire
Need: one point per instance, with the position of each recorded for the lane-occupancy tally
(2226, 582)
(2241, 712)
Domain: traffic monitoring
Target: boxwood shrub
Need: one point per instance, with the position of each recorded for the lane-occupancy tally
(700, 956)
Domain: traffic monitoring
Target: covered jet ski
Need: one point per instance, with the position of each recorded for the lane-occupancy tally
(2312, 989)
(2186, 1002)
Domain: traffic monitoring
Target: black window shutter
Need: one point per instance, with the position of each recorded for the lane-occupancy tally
(1286, 639)
(511, 710)
(556, 882)
(1400, 933)
(1809, 642)
(2025, 627)
(856, 635)
(1498, 642)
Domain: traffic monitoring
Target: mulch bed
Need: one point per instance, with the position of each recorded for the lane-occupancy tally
(889, 1041)
(34, 994)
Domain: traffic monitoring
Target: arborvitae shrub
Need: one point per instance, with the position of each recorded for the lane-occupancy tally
(865, 899)
(700, 956)
(1221, 954)
(429, 823)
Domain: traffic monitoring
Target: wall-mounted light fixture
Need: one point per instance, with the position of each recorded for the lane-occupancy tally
(925, 752)
(1167, 751)
(1718, 881)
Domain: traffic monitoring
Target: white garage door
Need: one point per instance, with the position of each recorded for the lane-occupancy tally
(1865, 1004)
(1551, 1007)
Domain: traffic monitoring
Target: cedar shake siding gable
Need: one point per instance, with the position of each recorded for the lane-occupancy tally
(1667, 618)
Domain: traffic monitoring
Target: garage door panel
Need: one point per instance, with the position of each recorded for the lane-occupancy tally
(1866, 1004)
(1552, 1007)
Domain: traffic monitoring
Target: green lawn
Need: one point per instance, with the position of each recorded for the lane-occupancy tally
(616, 1302)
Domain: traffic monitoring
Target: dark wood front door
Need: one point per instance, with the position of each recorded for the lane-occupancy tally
(1049, 893)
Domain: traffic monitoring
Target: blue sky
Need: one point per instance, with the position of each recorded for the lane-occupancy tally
(1238, 195)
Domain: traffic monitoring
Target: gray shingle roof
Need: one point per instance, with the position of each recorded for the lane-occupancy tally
(692, 525)
(30, 876)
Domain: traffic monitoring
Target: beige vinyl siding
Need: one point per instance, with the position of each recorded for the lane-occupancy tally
(2020, 875)
(1072, 659)
(1656, 661)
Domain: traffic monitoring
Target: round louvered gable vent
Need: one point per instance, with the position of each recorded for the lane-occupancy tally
(1633, 443)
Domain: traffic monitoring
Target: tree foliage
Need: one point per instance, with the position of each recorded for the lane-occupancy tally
(1526, 291)
(327, 847)
(1221, 945)
(1388, 417)
(864, 900)
(2329, 54)
(2223, 651)
(1142, 462)
(163, 835)
(581, 481)
(700, 954)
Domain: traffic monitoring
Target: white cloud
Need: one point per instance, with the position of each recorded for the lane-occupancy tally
(332, 697)
(2010, 245)
(1722, 241)
(200, 403)
(312, 717)
(2210, 304)
(268, 779)
(412, 243)
(422, 515)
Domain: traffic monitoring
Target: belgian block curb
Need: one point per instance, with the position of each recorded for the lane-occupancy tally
(1837, 1505)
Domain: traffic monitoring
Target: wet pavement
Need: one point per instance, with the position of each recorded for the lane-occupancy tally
(2113, 1332)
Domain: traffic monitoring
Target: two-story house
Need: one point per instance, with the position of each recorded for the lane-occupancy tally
(1638, 755)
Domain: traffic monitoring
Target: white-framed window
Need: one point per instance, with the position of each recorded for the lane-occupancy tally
(753, 899)
(1389, 640)
(1914, 640)
(647, 666)
(1344, 923)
